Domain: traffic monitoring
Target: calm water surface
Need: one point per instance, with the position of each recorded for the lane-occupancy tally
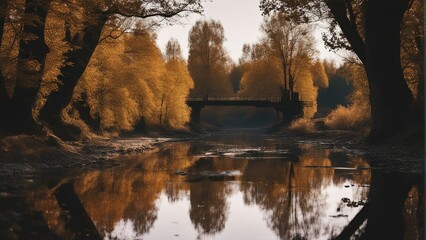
(226, 186)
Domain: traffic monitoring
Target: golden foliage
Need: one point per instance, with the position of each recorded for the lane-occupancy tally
(208, 61)
(283, 62)
(319, 75)
(261, 79)
(128, 80)
(412, 48)
(179, 82)
(302, 125)
(348, 118)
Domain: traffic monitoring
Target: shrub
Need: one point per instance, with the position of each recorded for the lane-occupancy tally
(302, 125)
(352, 117)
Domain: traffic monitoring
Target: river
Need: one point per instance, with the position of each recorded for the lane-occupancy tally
(236, 185)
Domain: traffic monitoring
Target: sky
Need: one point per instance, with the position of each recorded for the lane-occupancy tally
(241, 20)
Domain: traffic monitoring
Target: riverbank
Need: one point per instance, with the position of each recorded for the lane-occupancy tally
(23, 155)
(404, 153)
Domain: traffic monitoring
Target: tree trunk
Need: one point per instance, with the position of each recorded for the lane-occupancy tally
(83, 45)
(339, 10)
(31, 61)
(4, 97)
(390, 97)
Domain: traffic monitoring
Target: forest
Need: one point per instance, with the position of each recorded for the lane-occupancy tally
(86, 91)
(78, 68)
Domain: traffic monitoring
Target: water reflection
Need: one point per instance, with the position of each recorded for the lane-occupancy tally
(388, 198)
(283, 191)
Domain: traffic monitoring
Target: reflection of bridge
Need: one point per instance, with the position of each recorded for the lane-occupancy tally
(289, 109)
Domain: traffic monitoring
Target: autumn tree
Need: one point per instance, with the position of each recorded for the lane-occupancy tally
(412, 49)
(371, 29)
(84, 38)
(12, 63)
(288, 42)
(81, 29)
(30, 67)
(128, 81)
(173, 111)
(3, 93)
(208, 61)
(122, 81)
(282, 63)
(262, 76)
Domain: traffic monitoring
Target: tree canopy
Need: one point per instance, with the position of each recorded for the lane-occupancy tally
(208, 61)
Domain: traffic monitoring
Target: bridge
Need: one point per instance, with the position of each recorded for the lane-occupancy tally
(289, 108)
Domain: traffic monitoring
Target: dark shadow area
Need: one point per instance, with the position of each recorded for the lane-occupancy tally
(388, 197)
(79, 221)
(394, 209)
(18, 220)
(244, 117)
(336, 94)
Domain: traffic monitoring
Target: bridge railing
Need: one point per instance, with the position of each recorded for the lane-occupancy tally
(232, 99)
(243, 99)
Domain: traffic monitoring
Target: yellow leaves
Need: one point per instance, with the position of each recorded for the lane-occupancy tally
(319, 75)
(208, 61)
(128, 79)
(116, 114)
(178, 84)
(261, 79)
(306, 89)
(352, 117)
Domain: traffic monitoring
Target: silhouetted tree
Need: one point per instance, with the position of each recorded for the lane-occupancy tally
(31, 62)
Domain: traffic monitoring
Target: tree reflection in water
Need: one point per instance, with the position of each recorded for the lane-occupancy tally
(209, 207)
(293, 196)
(394, 198)
(298, 191)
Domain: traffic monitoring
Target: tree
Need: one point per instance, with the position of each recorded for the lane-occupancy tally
(128, 80)
(174, 111)
(94, 16)
(124, 81)
(235, 77)
(282, 63)
(42, 73)
(207, 61)
(261, 78)
(4, 98)
(31, 62)
(357, 114)
(173, 50)
(287, 41)
(371, 29)
(412, 49)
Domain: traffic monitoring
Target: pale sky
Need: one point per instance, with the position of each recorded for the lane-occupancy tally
(241, 20)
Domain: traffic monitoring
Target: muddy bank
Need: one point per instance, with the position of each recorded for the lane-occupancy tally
(28, 155)
(23, 156)
(402, 153)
